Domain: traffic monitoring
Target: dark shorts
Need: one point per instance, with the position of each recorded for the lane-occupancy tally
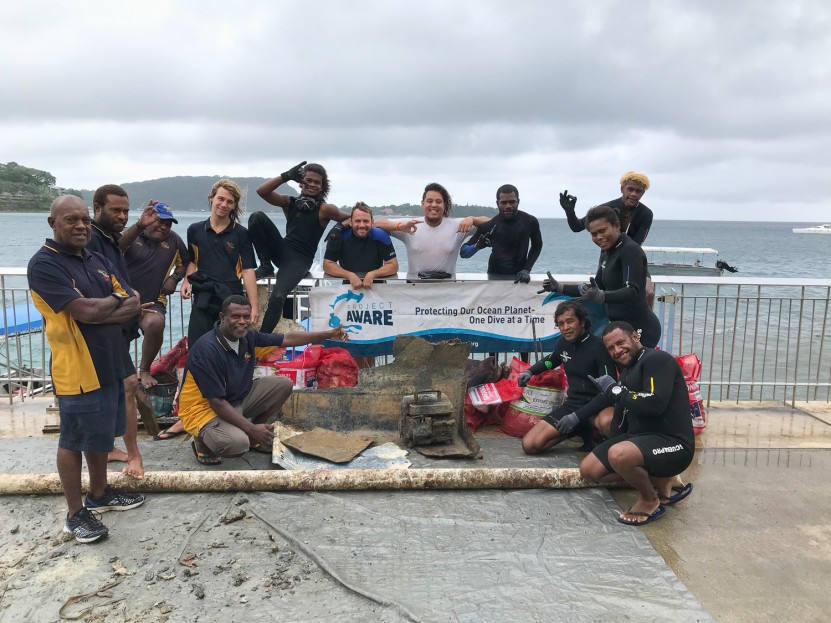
(663, 456)
(127, 353)
(90, 422)
(159, 307)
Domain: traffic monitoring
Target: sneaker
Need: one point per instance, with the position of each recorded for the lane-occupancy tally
(85, 526)
(263, 271)
(114, 500)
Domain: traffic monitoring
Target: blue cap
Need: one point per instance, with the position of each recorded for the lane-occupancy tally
(164, 212)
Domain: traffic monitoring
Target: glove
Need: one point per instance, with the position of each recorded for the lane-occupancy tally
(334, 240)
(523, 379)
(590, 292)
(294, 174)
(606, 384)
(550, 285)
(567, 423)
(484, 241)
(567, 202)
(523, 276)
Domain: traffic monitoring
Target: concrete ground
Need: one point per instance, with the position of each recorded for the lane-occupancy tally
(752, 542)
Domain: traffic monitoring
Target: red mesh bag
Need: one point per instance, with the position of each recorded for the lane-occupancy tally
(691, 368)
(167, 362)
(336, 368)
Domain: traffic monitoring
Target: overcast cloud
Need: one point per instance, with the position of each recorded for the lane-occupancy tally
(725, 105)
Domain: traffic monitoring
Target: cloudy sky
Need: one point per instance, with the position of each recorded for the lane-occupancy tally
(725, 105)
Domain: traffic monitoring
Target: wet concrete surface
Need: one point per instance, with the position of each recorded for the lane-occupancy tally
(752, 542)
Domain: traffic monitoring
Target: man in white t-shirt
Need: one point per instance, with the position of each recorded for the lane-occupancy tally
(433, 247)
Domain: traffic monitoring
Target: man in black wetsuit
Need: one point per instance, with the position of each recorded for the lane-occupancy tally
(509, 235)
(360, 254)
(655, 441)
(620, 281)
(635, 217)
(582, 356)
(306, 219)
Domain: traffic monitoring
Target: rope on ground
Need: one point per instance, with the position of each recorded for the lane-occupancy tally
(326, 568)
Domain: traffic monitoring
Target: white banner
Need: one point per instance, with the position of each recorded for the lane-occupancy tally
(495, 316)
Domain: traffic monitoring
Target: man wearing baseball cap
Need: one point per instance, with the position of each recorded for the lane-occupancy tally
(156, 261)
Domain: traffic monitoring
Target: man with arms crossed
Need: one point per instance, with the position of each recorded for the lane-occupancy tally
(582, 356)
(83, 304)
(654, 439)
(221, 404)
(111, 207)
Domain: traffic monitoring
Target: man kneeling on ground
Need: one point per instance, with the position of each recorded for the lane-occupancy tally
(585, 409)
(221, 404)
(652, 414)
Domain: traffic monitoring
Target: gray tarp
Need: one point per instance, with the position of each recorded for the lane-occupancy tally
(440, 556)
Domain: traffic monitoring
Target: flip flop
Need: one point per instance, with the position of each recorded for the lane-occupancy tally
(205, 458)
(164, 435)
(657, 514)
(682, 492)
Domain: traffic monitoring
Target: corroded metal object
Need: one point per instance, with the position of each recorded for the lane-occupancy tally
(426, 418)
(316, 480)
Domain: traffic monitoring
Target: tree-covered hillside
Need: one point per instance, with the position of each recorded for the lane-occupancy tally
(23, 189)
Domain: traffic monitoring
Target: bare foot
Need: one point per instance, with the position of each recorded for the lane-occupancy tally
(146, 379)
(117, 455)
(135, 467)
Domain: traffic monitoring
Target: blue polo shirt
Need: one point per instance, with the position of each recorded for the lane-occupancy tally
(107, 245)
(150, 262)
(215, 370)
(221, 256)
(84, 356)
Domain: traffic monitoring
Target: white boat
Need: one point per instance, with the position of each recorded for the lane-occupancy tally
(688, 261)
(816, 229)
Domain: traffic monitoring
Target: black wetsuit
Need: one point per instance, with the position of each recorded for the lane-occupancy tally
(654, 414)
(622, 275)
(635, 225)
(361, 255)
(511, 240)
(292, 255)
(581, 359)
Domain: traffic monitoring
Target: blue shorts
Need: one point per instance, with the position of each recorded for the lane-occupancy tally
(90, 422)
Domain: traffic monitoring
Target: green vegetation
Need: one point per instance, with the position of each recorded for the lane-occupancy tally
(23, 189)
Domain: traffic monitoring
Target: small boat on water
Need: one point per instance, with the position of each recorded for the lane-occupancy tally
(816, 229)
(685, 261)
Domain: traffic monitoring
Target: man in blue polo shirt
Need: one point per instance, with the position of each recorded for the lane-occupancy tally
(221, 254)
(83, 304)
(156, 261)
(111, 208)
(360, 254)
(220, 403)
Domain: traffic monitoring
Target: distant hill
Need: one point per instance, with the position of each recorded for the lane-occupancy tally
(189, 193)
(23, 189)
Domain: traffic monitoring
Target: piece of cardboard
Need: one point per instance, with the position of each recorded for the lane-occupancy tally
(328, 444)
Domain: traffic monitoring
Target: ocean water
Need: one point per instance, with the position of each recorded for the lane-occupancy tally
(757, 249)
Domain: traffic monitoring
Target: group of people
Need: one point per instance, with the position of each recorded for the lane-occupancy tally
(98, 282)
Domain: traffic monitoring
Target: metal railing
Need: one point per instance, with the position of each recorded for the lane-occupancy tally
(758, 339)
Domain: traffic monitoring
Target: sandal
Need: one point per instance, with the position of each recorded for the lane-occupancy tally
(164, 435)
(205, 458)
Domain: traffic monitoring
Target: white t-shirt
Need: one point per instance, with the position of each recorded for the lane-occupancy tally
(433, 248)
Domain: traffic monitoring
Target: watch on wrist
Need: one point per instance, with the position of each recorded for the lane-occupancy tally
(617, 390)
(118, 297)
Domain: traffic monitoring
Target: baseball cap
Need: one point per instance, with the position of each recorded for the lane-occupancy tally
(164, 212)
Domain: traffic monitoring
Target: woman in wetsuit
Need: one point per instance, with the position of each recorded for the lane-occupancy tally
(306, 219)
(620, 281)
